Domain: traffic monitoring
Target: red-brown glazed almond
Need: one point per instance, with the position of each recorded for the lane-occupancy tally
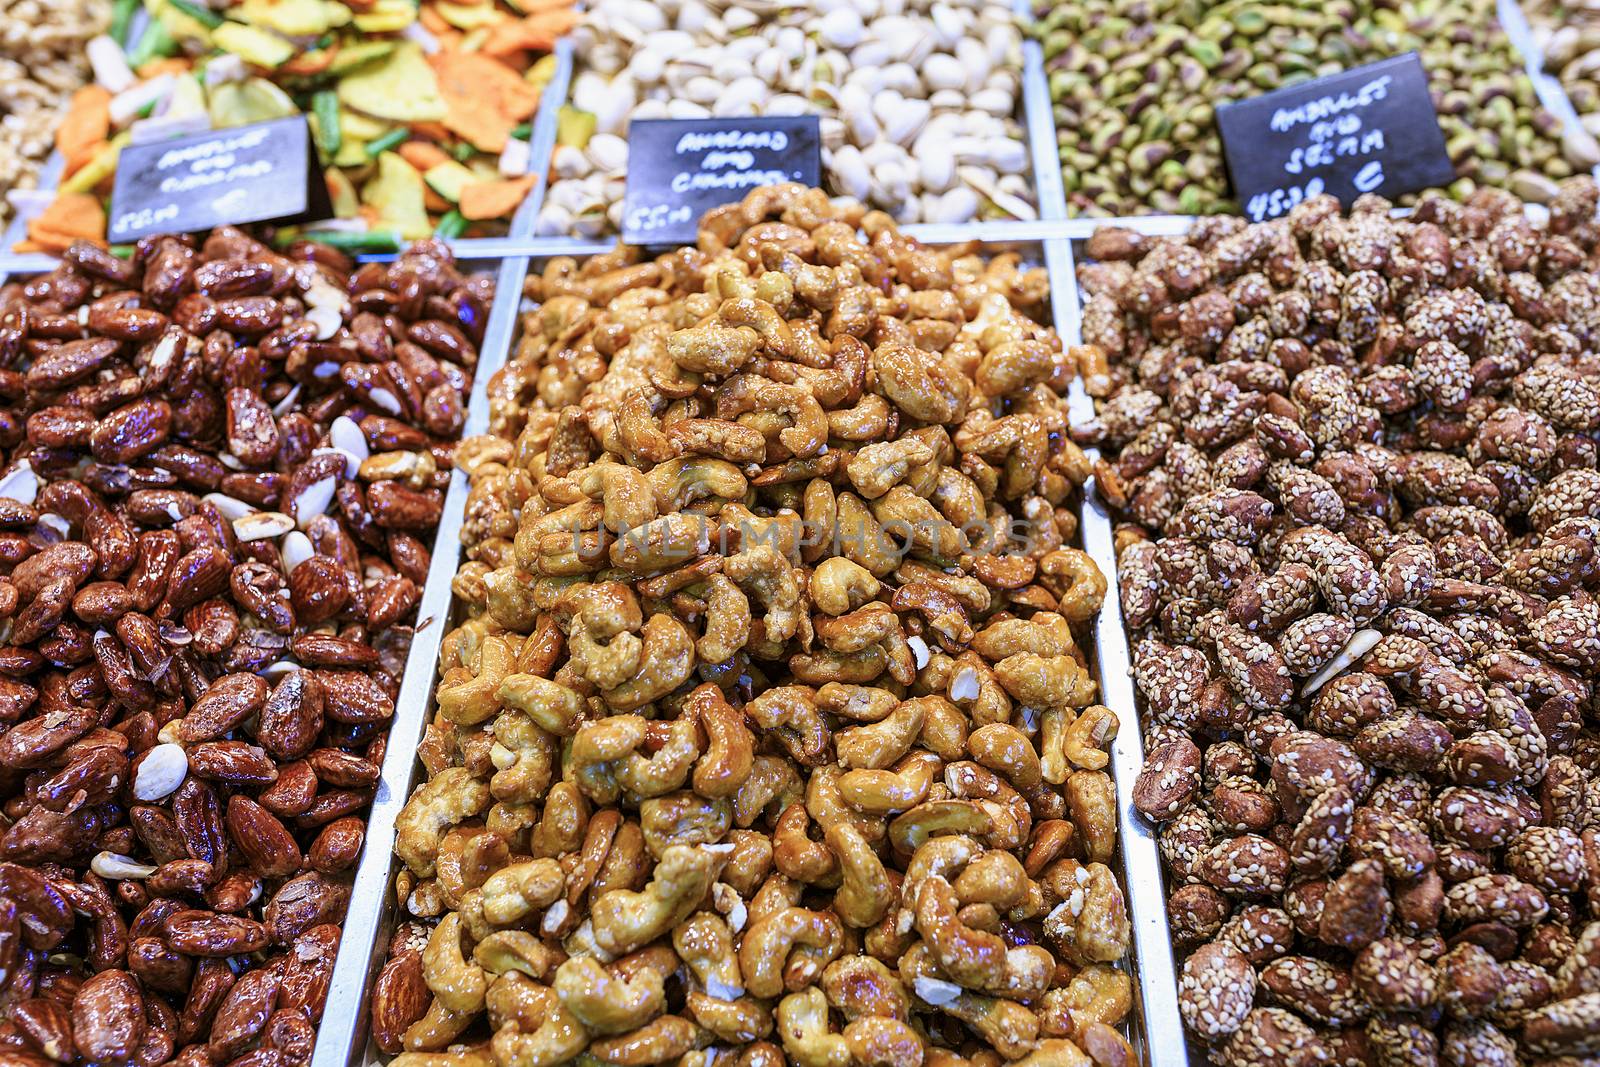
(173, 870)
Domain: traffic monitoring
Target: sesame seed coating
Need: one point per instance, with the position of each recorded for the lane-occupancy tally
(1364, 453)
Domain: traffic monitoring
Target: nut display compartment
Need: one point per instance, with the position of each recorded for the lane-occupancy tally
(176, 497)
(1054, 241)
(920, 114)
(1205, 827)
(375, 911)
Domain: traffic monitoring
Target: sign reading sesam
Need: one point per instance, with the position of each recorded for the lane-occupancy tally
(1370, 129)
(262, 173)
(678, 169)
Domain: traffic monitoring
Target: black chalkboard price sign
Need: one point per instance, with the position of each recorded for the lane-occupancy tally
(678, 169)
(1370, 129)
(267, 172)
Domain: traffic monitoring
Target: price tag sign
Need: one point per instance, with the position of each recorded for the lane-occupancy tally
(267, 172)
(678, 169)
(1369, 129)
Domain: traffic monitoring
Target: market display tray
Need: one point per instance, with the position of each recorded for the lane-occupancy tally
(1052, 240)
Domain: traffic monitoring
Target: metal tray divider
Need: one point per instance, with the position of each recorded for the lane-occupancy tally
(1150, 962)
(993, 232)
(1144, 883)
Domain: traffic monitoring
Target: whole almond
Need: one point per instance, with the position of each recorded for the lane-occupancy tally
(102, 603)
(399, 998)
(108, 1018)
(293, 716)
(354, 697)
(242, 1014)
(47, 1026)
(319, 589)
(293, 793)
(337, 845)
(252, 431)
(159, 771)
(132, 431)
(196, 576)
(229, 701)
(326, 650)
(205, 933)
(262, 837)
(232, 762)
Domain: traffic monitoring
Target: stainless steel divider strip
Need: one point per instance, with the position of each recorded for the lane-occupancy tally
(935, 233)
(542, 142)
(994, 232)
(1155, 972)
(24, 262)
(467, 249)
(341, 1037)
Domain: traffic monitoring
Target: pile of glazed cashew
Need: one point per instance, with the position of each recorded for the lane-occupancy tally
(764, 735)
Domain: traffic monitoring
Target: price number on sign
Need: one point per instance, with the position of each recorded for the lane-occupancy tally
(145, 217)
(1265, 206)
(650, 219)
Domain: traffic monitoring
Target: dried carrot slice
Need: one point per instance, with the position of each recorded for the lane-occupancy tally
(430, 131)
(494, 199)
(309, 64)
(536, 33)
(485, 98)
(157, 67)
(422, 154)
(70, 217)
(85, 126)
(435, 203)
(435, 24)
(47, 241)
(556, 22)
